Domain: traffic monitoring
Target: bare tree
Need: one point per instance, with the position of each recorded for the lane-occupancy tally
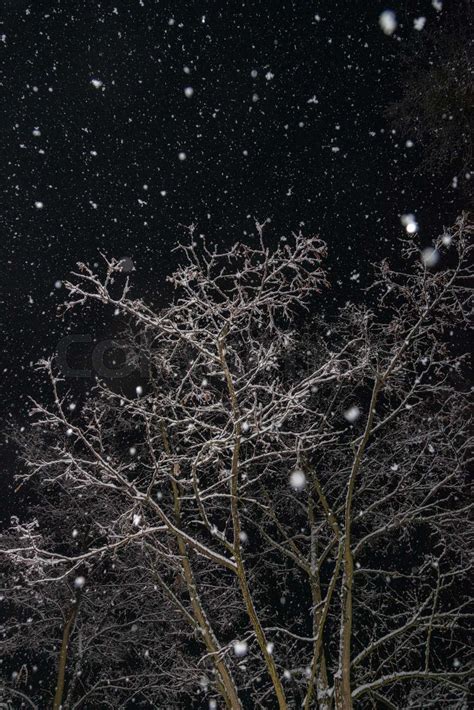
(279, 507)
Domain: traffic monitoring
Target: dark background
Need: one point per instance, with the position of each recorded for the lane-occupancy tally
(255, 147)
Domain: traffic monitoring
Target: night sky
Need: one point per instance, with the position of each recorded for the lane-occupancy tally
(123, 119)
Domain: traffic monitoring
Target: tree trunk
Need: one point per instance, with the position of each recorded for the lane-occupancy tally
(58, 697)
